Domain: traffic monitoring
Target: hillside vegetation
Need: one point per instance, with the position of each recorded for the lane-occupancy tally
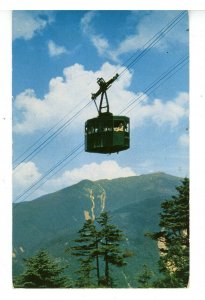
(52, 221)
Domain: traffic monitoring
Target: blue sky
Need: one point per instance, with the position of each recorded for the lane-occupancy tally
(57, 57)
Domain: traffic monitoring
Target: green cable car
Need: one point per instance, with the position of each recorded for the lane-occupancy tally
(106, 133)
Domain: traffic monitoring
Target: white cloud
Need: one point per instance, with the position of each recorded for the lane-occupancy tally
(69, 93)
(24, 176)
(161, 112)
(27, 23)
(108, 169)
(86, 20)
(100, 43)
(55, 50)
(144, 29)
(27, 174)
(184, 140)
(148, 26)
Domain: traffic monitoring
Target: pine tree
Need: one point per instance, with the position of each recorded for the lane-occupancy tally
(84, 273)
(145, 277)
(87, 250)
(173, 239)
(95, 244)
(42, 271)
(111, 237)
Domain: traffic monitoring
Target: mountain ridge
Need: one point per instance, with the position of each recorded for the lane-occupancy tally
(98, 181)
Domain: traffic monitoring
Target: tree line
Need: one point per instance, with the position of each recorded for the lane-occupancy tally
(98, 249)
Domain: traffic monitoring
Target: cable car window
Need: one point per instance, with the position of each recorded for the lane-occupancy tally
(126, 127)
(90, 130)
(106, 129)
(118, 126)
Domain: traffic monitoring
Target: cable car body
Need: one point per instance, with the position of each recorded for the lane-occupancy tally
(106, 133)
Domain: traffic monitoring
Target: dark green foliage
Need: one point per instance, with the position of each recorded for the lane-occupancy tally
(84, 279)
(42, 272)
(87, 247)
(174, 238)
(145, 277)
(93, 244)
(87, 240)
(111, 237)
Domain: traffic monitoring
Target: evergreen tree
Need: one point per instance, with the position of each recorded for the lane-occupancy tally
(87, 250)
(110, 240)
(84, 273)
(145, 277)
(173, 239)
(97, 243)
(42, 272)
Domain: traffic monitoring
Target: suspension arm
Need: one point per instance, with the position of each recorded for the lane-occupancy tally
(103, 86)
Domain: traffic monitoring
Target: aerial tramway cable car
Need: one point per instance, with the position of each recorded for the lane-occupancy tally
(106, 133)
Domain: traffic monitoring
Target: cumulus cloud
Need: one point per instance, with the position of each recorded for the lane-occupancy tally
(148, 26)
(161, 112)
(55, 50)
(184, 140)
(145, 28)
(71, 92)
(28, 23)
(66, 95)
(24, 176)
(27, 174)
(108, 169)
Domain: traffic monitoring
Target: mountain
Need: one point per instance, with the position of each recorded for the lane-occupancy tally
(52, 221)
